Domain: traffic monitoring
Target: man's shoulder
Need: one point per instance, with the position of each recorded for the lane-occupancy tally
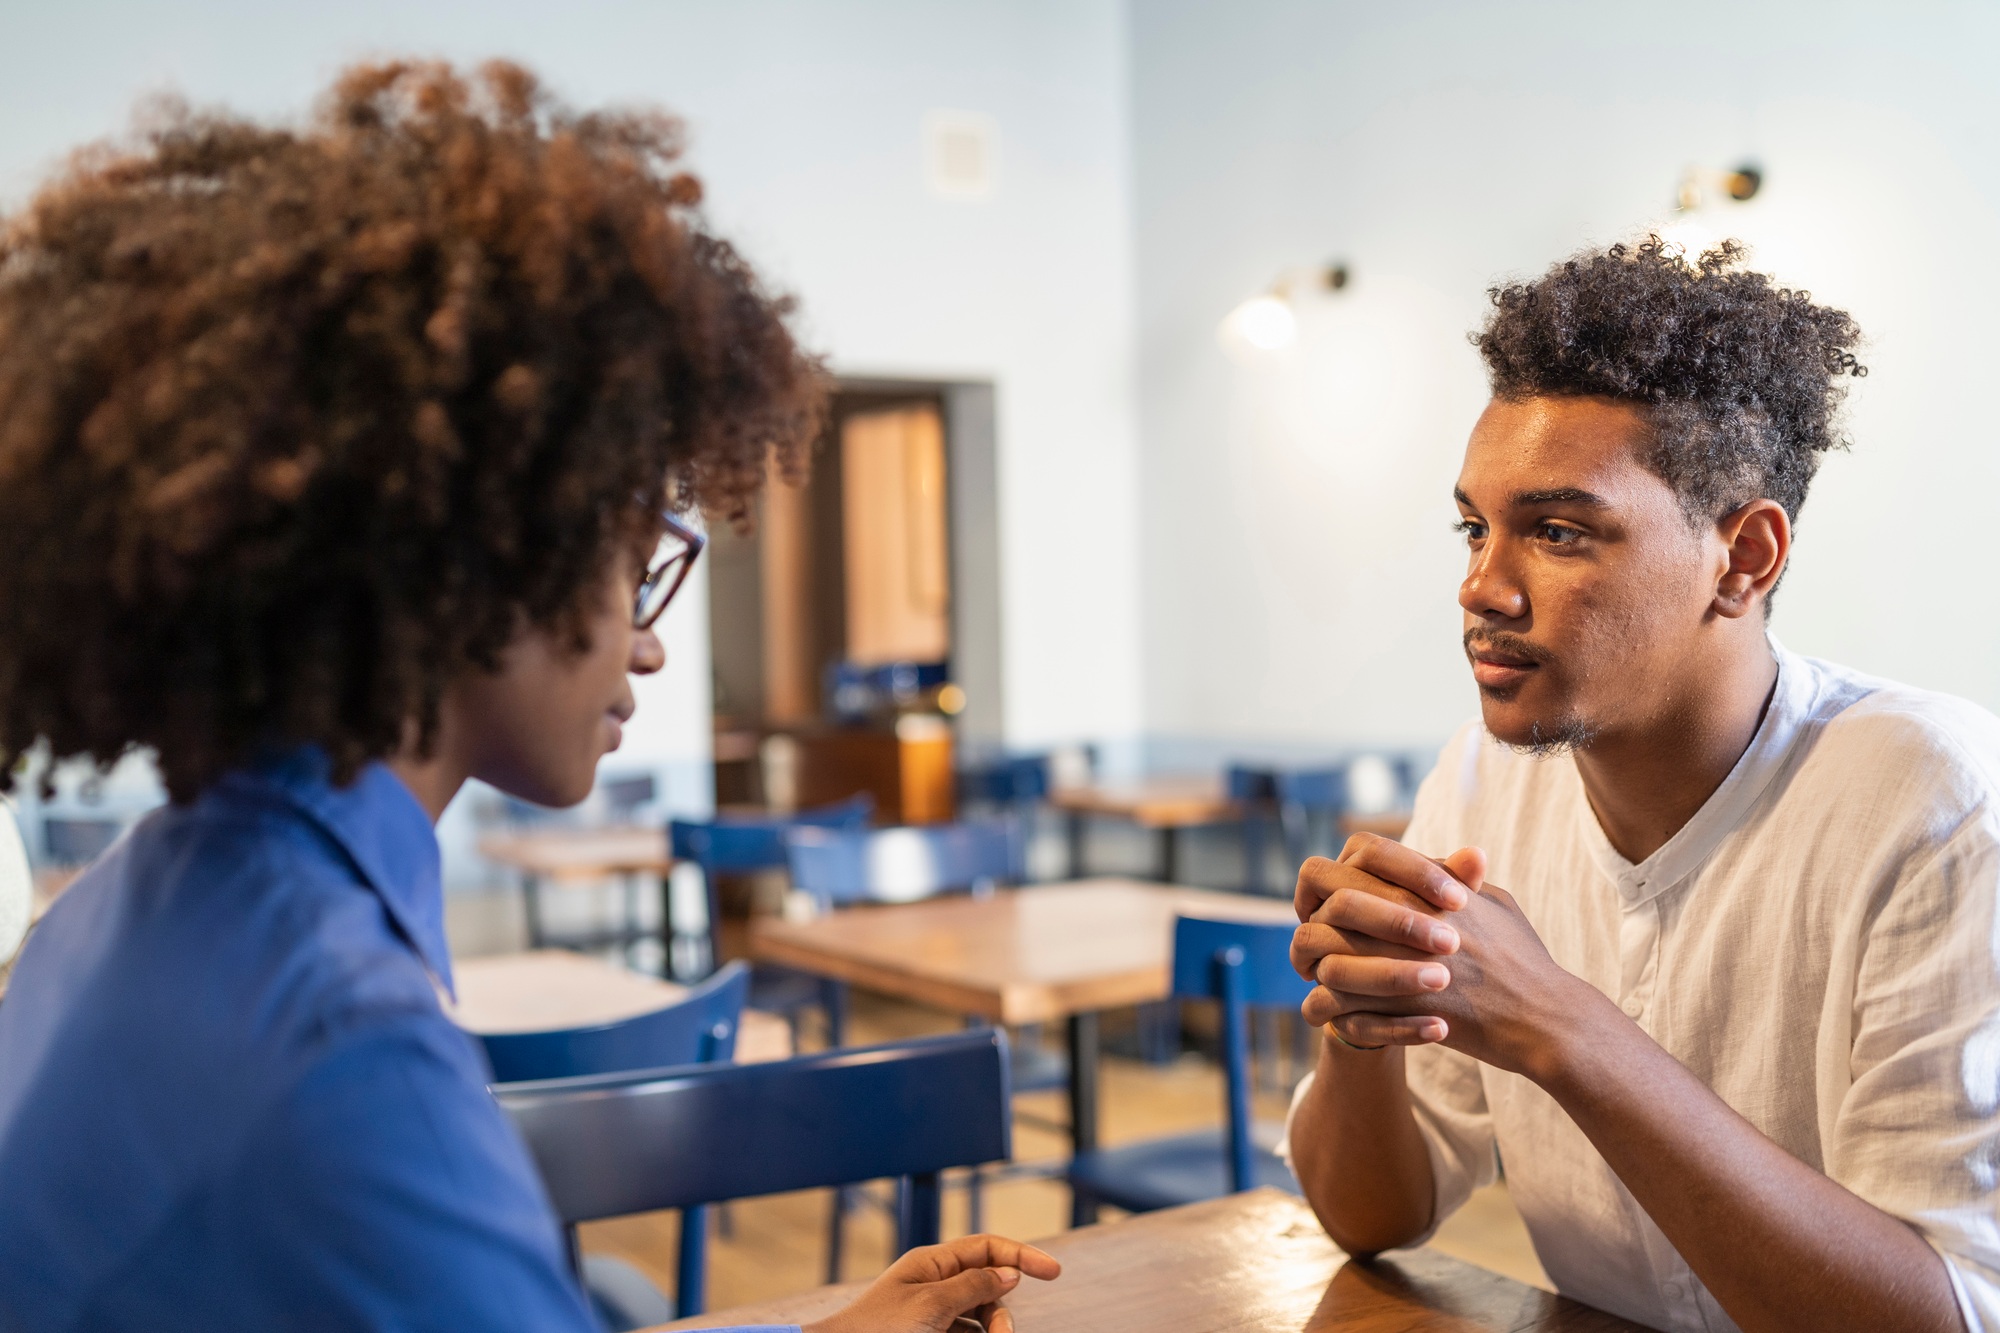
(1935, 748)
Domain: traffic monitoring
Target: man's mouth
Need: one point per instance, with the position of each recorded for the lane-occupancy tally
(1498, 665)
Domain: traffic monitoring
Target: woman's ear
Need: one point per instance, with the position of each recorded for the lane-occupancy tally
(1756, 541)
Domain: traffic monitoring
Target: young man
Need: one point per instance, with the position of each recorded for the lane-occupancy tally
(332, 471)
(1732, 1026)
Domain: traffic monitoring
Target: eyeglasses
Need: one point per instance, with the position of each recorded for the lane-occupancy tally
(667, 571)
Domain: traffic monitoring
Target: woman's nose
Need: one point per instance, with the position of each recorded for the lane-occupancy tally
(648, 653)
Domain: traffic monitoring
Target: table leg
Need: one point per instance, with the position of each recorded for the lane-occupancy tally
(1170, 855)
(1076, 835)
(1083, 1052)
(531, 893)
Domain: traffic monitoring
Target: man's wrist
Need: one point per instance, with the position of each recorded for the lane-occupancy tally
(1563, 1049)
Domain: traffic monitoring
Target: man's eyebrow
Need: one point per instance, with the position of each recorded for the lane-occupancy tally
(1560, 495)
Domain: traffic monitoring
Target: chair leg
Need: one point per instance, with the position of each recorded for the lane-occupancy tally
(836, 1233)
(919, 1210)
(975, 1200)
(833, 998)
(691, 1272)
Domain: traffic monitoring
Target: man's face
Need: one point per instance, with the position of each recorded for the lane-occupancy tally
(1585, 588)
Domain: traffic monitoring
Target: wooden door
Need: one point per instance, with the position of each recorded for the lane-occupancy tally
(894, 537)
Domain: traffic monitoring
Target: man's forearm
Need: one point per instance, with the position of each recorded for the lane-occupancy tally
(1779, 1244)
(1360, 1157)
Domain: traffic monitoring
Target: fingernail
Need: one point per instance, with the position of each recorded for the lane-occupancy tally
(1008, 1275)
(1433, 977)
(1431, 1031)
(1443, 939)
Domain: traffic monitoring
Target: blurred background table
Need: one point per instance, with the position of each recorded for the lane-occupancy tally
(1255, 1262)
(585, 856)
(1163, 806)
(546, 989)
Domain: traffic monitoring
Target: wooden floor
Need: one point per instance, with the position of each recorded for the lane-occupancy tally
(776, 1246)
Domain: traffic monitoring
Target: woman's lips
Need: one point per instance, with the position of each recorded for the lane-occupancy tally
(617, 731)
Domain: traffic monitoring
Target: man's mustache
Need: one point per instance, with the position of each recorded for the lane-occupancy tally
(1502, 644)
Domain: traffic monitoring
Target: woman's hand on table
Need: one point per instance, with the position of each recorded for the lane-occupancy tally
(932, 1287)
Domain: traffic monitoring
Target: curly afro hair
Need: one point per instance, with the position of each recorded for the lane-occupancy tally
(1742, 378)
(300, 424)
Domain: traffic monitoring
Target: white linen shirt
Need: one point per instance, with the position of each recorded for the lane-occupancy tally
(1818, 945)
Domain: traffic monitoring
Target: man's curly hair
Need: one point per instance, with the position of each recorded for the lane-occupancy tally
(1742, 379)
(300, 424)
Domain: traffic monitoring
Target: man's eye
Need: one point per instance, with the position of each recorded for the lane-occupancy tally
(1557, 535)
(1470, 529)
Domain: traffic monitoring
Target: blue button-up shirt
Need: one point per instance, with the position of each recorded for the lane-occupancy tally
(229, 1098)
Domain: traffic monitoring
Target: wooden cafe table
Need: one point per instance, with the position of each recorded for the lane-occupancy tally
(1250, 1263)
(1035, 955)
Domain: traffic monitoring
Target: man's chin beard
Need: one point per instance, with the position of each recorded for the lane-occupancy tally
(1548, 739)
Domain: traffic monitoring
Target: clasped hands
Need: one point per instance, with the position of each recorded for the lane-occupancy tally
(1407, 951)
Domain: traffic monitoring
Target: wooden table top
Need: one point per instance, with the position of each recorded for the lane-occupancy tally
(581, 853)
(1251, 1263)
(546, 989)
(1029, 955)
(1159, 803)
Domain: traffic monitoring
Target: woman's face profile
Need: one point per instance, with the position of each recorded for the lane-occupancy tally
(536, 728)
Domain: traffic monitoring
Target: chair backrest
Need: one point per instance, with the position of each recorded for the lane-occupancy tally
(899, 865)
(1240, 964)
(1250, 782)
(72, 842)
(624, 795)
(698, 1028)
(740, 844)
(1017, 781)
(681, 1138)
(1315, 789)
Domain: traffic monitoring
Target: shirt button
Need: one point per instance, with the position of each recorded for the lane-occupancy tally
(1633, 1008)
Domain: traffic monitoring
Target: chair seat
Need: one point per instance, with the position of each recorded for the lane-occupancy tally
(1164, 1173)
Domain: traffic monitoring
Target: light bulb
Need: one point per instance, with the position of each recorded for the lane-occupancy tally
(1264, 322)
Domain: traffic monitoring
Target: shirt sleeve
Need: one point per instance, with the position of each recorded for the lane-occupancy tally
(384, 1190)
(1446, 1094)
(1917, 1132)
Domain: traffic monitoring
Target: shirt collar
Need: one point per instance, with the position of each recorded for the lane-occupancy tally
(377, 821)
(1793, 699)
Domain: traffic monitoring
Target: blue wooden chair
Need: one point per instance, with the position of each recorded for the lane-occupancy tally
(689, 1137)
(74, 842)
(1242, 965)
(841, 867)
(1306, 797)
(745, 844)
(699, 1028)
(1254, 788)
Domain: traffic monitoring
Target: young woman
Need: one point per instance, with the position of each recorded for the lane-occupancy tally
(334, 468)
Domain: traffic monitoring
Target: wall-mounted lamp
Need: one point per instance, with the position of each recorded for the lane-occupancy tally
(1700, 184)
(1268, 321)
(1693, 228)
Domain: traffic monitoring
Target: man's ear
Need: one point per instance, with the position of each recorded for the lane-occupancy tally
(1756, 541)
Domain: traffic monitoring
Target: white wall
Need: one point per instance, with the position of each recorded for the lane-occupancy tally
(1299, 572)
(805, 126)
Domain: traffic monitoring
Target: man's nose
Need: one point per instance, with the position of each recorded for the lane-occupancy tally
(1490, 590)
(648, 653)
